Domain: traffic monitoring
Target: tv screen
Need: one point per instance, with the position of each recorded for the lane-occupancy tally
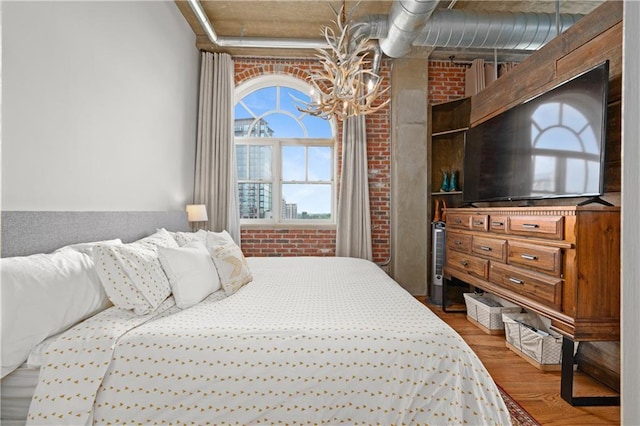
(550, 146)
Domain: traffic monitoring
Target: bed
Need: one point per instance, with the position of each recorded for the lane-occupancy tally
(306, 340)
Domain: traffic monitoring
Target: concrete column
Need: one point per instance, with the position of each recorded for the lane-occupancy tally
(409, 221)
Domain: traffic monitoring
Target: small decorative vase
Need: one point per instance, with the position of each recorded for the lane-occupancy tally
(445, 181)
(453, 181)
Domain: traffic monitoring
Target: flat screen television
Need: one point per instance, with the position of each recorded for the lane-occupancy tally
(550, 146)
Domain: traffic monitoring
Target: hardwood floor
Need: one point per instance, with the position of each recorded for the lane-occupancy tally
(536, 391)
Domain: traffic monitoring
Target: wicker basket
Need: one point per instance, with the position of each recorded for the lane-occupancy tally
(543, 347)
(486, 311)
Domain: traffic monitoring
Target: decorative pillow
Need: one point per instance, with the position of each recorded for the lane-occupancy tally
(232, 267)
(161, 238)
(44, 294)
(183, 238)
(191, 272)
(216, 239)
(88, 247)
(132, 276)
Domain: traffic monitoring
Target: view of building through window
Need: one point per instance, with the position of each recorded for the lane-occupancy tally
(285, 159)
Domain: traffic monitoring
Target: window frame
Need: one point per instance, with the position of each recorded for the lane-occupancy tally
(277, 143)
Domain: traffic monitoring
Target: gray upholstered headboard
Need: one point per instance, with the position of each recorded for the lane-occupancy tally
(29, 232)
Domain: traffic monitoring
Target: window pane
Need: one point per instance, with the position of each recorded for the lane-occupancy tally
(259, 162)
(293, 167)
(241, 161)
(284, 126)
(287, 102)
(261, 101)
(309, 201)
(317, 127)
(255, 200)
(241, 112)
(319, 163)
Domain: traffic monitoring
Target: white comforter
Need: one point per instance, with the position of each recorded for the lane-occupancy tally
(310, 340)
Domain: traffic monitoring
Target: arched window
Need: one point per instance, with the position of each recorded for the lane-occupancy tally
(285, 158)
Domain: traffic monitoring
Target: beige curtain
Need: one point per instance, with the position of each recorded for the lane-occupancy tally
(353, 235)
(215, 181)
(474, 78)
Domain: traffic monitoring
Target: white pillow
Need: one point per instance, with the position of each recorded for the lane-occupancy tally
(88, 247)
(44, 294)
(232, 267)
(217, 239)
(191, 273)
(132, 276)
(161, 238)
(183, 238)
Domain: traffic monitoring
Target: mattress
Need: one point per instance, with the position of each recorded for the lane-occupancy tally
(16, 390)
(309, 340)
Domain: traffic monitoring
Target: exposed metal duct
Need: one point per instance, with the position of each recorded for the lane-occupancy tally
(406, 19)
(492, 30)
(419, 23)
(372, 27)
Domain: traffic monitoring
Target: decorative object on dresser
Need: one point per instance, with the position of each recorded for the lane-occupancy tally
(562, 262)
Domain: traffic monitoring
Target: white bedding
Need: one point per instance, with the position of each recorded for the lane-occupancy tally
(310, 340)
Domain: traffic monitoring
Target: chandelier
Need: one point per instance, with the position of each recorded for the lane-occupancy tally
(348, 83)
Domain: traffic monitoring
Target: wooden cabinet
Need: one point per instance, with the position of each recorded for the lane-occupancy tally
(562, 262)
(449, 122)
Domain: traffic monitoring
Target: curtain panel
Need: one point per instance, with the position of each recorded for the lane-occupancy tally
(353, 233)
(215, 178)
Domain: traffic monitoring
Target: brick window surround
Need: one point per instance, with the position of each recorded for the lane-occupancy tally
(446, 82)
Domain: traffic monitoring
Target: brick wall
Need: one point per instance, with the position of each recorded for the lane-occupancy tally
(321, 242)
(446, 81)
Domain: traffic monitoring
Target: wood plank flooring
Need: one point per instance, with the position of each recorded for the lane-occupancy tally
(536, 391)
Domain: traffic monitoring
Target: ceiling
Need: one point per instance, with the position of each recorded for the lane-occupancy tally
(303, 19)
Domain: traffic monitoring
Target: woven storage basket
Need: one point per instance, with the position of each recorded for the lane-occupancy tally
(486, 315)
(542, 349)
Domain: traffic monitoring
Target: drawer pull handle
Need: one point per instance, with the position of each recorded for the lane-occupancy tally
(529, 257)
(457, 242)
(497, 223)
(464, 263)
(516, 281)
(478, 222)
(485, 248)
(458, 221)
(530, 225)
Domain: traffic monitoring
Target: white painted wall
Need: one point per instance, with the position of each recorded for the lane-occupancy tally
(630, 208)
(99, 106)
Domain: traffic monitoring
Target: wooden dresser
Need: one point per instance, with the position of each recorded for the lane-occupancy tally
(561, 262)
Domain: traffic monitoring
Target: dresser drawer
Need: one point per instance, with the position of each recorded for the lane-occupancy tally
(542, 288)
(498, 224)
(470, 264)
(550, 227)
(493, 248)
(480, 222)
(459, 221)
(540, 258)
(459, 242)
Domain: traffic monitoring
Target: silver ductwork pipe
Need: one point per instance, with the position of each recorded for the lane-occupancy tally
(492, 30)
(406, 19)
(419, 23)
(372, 27)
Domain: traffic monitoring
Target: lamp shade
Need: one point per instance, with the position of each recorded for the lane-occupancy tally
(197, 213)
